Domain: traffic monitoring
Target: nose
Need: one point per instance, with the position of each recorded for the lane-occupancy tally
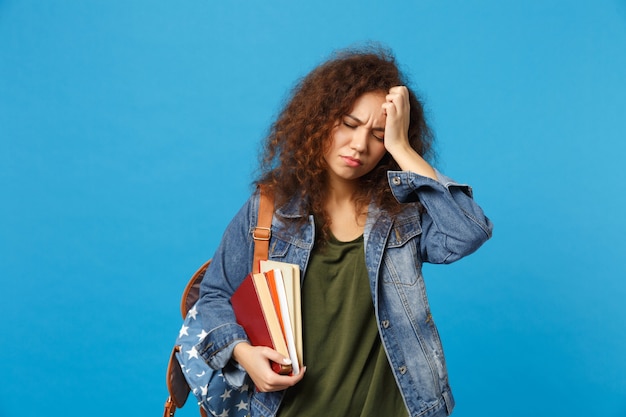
(359, 140)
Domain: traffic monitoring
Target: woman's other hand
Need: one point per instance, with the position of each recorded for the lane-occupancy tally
(256, 361)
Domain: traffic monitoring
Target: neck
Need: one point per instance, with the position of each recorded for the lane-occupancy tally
(340, 189)
(346, 223)
(341, 192)
(342, 195)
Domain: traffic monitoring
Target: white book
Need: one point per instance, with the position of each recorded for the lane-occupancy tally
(286, 316)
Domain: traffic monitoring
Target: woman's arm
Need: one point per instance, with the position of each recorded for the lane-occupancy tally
(230, 264)
(226, 345)
(453, 225)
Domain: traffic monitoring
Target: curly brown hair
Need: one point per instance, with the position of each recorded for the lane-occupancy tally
(292, 162)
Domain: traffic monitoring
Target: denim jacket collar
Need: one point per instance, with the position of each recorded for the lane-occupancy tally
(293, 209)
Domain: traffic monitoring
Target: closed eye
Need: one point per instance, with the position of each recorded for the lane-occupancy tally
(352, 123)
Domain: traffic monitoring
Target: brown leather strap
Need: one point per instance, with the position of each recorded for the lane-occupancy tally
(192, 290)
(262, 232)
(170, 408)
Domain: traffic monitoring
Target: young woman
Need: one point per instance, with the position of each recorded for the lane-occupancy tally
(359, 209)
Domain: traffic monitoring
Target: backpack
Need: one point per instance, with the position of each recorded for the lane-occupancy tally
(190, 374)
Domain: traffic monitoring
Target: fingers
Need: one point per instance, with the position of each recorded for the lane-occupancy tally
(266, 380)
(274, 356)
(397, 110)
(256, 361)
(399, 91)
(276, 382)
(396, 101)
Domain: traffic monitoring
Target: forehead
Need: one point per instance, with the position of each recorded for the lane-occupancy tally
(370, 98)
(368, 106)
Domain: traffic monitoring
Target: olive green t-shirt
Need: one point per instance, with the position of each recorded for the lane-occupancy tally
(347, 372)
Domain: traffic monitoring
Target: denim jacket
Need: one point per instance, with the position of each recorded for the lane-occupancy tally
(451, 226)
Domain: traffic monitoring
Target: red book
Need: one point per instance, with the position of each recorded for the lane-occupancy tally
(255, 312)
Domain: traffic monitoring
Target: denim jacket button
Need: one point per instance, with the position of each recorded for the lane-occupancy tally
(385, 323)
(396, 181)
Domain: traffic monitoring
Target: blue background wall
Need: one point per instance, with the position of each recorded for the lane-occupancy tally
(128, 136)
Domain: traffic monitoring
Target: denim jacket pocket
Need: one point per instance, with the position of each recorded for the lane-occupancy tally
(401, 263)
(403, 230)
(278, 248)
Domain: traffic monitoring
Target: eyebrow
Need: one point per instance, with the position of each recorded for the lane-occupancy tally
(356, 119)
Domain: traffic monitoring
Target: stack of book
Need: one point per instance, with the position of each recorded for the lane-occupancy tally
(267, 306)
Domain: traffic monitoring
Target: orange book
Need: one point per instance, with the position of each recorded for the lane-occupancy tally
(255, 312)
(271, 282)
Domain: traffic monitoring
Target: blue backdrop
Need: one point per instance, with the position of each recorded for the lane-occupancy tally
(128, 138)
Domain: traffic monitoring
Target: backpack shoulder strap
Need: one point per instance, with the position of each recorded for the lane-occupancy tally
(263, 230)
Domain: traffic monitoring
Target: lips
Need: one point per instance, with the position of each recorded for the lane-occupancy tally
(351, 162)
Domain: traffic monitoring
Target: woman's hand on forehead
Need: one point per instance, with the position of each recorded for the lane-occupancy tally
(397, 110)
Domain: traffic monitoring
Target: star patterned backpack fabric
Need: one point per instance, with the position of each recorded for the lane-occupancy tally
(210, 388)
(186, 371)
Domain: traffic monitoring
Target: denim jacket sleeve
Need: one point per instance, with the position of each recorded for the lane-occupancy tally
(453, 225)
(230, 264)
